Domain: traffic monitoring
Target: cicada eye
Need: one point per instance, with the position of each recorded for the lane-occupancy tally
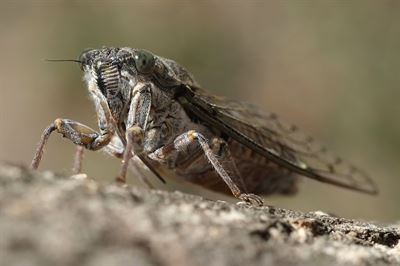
(144, 61)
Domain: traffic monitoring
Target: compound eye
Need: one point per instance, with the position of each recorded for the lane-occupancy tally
(144, 61)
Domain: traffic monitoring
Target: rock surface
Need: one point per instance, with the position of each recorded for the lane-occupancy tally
(47, 219)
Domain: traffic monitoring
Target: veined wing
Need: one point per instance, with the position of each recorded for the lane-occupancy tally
(282, 143)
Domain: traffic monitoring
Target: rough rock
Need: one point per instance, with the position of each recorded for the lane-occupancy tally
(47, 219)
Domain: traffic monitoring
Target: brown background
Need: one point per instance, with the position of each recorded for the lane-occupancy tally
(329, 67)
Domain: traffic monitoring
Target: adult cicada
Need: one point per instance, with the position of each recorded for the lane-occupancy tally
(152, 112)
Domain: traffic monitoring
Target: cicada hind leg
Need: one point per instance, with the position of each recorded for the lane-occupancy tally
(217, 155)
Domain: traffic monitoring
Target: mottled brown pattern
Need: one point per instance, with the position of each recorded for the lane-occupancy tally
(277, 140)
(159, 114)
(260, 176)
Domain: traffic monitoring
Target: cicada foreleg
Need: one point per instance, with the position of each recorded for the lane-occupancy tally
(80, 134)
(224, 166)
(136, 124)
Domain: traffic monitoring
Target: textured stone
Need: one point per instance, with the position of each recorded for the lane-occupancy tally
(47, 219)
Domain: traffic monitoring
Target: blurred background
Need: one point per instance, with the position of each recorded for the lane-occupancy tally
(329, 67)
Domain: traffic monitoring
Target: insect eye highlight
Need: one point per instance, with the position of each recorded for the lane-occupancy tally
(144, 61)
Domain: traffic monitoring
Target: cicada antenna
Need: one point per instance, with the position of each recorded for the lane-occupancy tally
(63, 60)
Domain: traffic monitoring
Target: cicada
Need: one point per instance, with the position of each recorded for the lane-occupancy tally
(152, 113)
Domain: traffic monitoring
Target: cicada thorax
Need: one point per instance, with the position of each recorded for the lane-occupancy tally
(108, 80)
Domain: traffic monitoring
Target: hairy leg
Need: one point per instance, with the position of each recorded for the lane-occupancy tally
(225, 166)
(138, 115)
(116, 148)
(78, 133)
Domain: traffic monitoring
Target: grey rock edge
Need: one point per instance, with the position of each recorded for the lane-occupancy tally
(47, 219)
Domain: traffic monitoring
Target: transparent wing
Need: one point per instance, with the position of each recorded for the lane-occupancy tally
(278, 141)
